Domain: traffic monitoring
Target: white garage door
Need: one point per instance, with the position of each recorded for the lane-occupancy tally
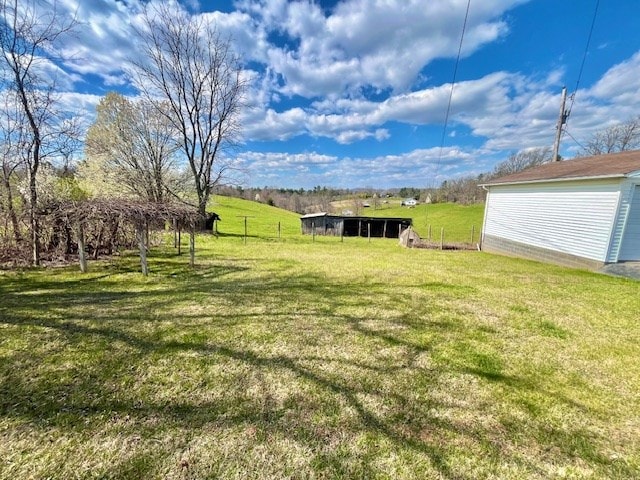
(631, 242)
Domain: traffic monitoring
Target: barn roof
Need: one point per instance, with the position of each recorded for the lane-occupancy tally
(354, 217)
(611, 165)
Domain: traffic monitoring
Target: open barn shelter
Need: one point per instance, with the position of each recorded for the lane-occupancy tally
(583, 212)
(353, 226)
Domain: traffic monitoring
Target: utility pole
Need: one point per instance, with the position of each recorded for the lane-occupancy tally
(562, 119)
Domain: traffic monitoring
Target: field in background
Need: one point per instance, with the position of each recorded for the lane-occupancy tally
(457, 220)
(291, 359)
(262, 220)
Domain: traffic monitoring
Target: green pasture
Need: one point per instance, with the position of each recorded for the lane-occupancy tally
(262, 220)
(457, 221)
(292, 359)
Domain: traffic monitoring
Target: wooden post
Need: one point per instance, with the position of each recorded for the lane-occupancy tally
(140, 230)
(562, 119)
(279, 233)
(369, 231)
(82, 254)
(442, 238)
(342, 231)
(429, 237)
(192, 246)
(313, 231)
(146, 234)
(384, 230)
(175, 233)
(245, 227)
(399, 230)
(473, 233)
(359, 228)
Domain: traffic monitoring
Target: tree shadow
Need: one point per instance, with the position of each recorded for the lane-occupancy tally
(93, 391)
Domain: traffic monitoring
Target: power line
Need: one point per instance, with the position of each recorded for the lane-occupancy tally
(453, 83)
(573, 138)
(584, 56)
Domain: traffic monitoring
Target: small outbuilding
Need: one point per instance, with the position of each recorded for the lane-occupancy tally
(353, 226)
(583, 212)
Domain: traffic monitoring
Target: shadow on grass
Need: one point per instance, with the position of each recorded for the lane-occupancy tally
(96, 375)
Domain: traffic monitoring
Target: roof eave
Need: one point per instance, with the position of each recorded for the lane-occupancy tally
(555, 180)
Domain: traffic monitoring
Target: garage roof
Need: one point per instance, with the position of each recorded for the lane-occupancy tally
(620, 164)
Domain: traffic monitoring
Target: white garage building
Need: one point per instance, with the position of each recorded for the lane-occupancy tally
(583, 212)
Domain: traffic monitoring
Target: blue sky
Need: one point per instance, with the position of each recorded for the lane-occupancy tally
(353, 93)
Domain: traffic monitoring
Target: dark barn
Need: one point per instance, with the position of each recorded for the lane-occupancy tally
(347, 226)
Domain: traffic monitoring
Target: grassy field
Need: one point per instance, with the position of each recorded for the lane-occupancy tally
(458, 221)
(262, 220)
(290, 359)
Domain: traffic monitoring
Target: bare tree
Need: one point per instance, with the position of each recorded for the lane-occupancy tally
(189, 67)
(27, 39)
(12, 133)
(617, 138)
(134, 145)
(522, 160)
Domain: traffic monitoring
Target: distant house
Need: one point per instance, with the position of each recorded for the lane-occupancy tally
(348, 226)
(583, 212)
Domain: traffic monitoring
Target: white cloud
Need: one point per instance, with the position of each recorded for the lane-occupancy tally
(349, 73)
(383, 44)
(620, 83)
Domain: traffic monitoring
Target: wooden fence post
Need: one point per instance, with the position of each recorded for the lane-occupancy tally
(175, 233)
(192, 246)
(473, 233)
(82, 254)
(442, 238)
(141, 233)
(146, 234)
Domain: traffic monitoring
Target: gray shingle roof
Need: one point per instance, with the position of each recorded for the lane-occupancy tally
(611, 165)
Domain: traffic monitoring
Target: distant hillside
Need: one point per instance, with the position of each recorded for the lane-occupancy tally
(262, 219)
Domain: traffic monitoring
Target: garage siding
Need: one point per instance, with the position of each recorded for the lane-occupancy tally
(630, 249)
(570, 217)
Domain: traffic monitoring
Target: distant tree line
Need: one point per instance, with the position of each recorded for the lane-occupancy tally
(463, 190)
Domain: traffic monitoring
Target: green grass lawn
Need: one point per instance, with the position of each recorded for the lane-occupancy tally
(299, 360)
